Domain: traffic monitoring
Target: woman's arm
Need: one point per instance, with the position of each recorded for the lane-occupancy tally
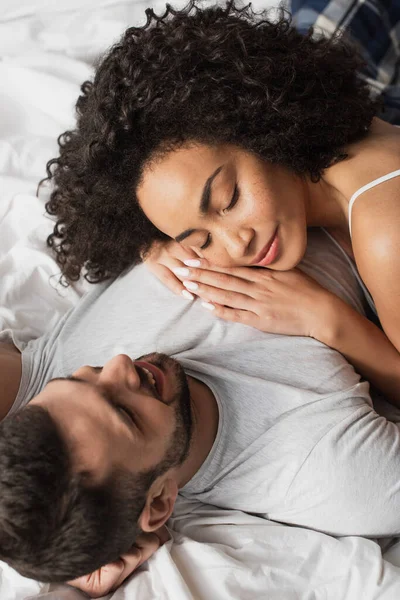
(365, 346)
(376, 247)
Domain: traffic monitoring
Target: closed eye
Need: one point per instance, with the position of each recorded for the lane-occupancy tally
(206, 243)
(126, 413)
(233, 201)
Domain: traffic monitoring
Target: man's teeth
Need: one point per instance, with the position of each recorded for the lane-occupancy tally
(150, 377)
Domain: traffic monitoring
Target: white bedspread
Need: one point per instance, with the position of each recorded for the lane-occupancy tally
(46, 50)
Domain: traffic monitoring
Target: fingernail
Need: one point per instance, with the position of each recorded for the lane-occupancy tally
(181, 271)
(208, 306)
(192, 262)
(190, 285)
(187, 295)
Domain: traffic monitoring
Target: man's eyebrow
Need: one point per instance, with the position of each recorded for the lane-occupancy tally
(108, 398)
(69, 378)
(204, 203)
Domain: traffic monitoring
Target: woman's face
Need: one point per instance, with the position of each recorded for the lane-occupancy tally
(228, 205)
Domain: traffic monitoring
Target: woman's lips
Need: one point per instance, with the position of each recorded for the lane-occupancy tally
(269, 253)
(156, 372)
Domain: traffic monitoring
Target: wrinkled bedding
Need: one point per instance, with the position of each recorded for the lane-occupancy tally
(46, 52)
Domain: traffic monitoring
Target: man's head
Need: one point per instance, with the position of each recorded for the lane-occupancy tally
(89, 464)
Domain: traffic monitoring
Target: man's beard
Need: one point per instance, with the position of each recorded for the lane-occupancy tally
(178, 449)
(133, 487)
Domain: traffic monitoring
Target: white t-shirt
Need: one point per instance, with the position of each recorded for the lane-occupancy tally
(298, 439)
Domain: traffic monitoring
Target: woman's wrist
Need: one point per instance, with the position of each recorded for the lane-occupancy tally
(329, 319)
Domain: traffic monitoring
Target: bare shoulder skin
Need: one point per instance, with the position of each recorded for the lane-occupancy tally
(376, 219)
(10, 376)
(375, 247)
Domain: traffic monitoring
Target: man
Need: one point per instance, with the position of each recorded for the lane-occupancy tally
(273, 425)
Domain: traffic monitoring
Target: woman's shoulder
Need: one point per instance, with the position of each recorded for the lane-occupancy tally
(368, 185)
(376, 155)
(374, 186)
(367, 182)
(368, 160)
(374, 212)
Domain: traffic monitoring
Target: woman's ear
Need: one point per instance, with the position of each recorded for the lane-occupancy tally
(159, 505)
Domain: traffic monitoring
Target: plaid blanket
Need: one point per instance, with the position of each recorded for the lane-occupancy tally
(375, 26)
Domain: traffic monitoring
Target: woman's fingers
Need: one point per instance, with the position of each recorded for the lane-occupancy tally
(163, 259)
(223, 297)
(165, 273)
(169, 279)
(236, 315)
(246, 273)
(216, 279)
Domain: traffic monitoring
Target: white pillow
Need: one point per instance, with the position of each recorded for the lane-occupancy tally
(14, 9)
(81, 29)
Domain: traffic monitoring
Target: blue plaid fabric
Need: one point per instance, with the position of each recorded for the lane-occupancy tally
(375, 26)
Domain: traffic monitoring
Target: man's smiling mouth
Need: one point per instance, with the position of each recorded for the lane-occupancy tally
(150, 377)
(154, 377)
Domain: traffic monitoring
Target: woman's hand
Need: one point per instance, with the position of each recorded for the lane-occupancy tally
(164, 257)
(109, 577)
(285, 302)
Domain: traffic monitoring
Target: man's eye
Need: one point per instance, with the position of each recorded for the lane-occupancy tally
(126, 413)
(233, 201)
(206, 243)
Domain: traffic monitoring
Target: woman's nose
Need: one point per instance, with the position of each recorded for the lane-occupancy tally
(237, 242)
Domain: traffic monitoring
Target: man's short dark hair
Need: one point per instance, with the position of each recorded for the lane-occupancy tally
(218, 75)
(55, 525)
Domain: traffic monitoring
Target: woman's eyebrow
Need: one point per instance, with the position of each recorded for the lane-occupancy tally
(204, 203)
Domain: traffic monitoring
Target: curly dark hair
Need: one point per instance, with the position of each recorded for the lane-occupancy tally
(213, 75)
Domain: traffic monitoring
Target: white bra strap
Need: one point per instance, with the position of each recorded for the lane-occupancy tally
(367, 187)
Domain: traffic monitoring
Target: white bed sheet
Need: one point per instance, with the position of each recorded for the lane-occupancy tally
(46, 51)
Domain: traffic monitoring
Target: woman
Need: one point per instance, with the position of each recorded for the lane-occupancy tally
(219, 137)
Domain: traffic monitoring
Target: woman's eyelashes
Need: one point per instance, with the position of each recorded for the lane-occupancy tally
(231, 204)
(206, 243)
(235, 198)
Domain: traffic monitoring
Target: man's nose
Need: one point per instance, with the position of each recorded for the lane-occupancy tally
(120, 370)
(237, 242)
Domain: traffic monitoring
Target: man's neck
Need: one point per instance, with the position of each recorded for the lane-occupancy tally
(205, 426)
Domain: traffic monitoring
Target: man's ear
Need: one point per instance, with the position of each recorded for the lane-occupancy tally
(159, 504)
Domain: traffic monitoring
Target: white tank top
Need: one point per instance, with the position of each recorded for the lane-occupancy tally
(354, 197)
